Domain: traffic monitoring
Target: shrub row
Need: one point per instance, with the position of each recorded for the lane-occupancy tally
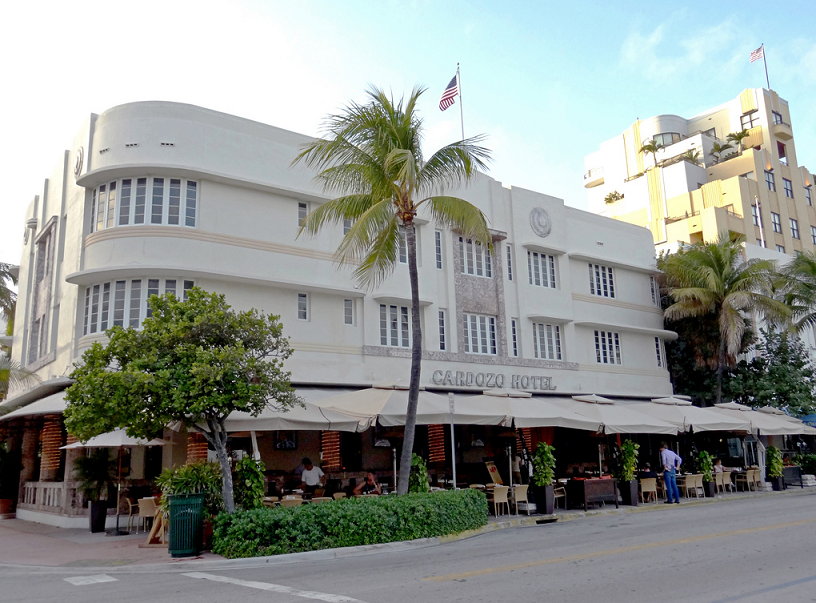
(347, 522)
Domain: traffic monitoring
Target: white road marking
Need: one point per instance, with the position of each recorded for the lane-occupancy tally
(85, 580)
(275, 588)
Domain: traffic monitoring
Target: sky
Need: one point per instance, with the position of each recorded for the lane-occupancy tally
(545, 81)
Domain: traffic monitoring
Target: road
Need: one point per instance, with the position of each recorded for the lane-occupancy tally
(756, 549)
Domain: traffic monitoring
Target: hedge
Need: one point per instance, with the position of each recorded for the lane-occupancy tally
(347, 522)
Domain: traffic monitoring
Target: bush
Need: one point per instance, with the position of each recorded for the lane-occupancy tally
(418, 479)
(705, 465)
(808, 463)
(194, 478)
(249, 483)
(773, 462)
(347, 522)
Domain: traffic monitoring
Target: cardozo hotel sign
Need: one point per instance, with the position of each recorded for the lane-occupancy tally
(491, 380)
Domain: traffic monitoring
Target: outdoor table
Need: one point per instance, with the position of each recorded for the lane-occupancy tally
(585, 491)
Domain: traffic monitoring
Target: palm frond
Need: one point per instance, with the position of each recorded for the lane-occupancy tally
(461, 216)
(454, 163)
(14, 376)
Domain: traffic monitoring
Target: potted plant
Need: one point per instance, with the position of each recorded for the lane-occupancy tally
(705, 465)
(543, 477)
(774, 468)
(627, 484)
(96, 475)
(7, 479)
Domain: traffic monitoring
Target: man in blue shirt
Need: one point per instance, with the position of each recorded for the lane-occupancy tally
(671, 463)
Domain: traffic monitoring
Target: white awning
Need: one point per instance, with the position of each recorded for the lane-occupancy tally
(686, 417)
(389, 405)
(761, 423)
(519, 409)
(50, 405)
(615, 418)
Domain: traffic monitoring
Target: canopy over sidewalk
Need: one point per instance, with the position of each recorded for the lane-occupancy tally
(615, 418)
(686, 417)
(761, 422)
(388, 403)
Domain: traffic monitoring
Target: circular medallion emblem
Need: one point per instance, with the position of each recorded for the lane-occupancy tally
(540, 222)
(78, 164)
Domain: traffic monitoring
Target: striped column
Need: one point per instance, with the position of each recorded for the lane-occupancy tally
(196, 448)
(52, 438)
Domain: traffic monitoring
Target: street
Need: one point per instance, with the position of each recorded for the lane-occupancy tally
(754, 549)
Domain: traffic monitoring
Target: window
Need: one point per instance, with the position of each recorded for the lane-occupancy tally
(783, 155)
(442, 331)
(607, 347)
(755, 215)
(777, 117)
(438, 248)
(710, 132)
(121, 303)
(41, 294)
(514, 335)
(788, 186)
(303, 306)
(509, 262)
(666, 138)
(808, 197)
(780, 248)
(749, 120)
(403, 245)
(794, 228)
(547, 341)
(348, 311)
(655, 291)
(760, 242)
(601, 281)
(124, 202)
(813, 234)
(660, 351)
(394, 330)
(346, 226)
(480, 334)
(475, 258)
(303, 211)
(777, 222)
(541, 269)
(769, 181)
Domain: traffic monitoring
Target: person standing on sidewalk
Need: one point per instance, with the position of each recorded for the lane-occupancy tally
(671, 463)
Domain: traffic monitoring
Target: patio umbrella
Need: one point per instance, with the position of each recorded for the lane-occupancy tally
(685, 416)
(388, 404)
(118, 439)
(615, 418)
(800, 425)
(761, 422)
(298, 418)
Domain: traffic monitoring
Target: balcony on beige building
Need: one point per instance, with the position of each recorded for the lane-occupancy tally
(594, 177)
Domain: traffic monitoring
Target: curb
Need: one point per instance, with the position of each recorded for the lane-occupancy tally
(371, 549)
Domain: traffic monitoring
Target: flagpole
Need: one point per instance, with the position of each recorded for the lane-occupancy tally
(764, 60)
(461, 112)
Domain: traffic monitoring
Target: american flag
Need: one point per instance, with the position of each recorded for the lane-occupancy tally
(758, 53)
(449, 94)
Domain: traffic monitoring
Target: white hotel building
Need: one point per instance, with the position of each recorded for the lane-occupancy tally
(155, 197)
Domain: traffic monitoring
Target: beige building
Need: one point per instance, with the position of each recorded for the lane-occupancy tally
(690, 191)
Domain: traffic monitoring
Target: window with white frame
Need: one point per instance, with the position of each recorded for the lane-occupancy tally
(480, 334)
(509, 261)
(660, 352)
(770, 181)
(475, 258)
(135, 201)
(514, 336)
(547, 341)
(395, 329)
(541, 269)
(607, 347)
(777, 117)
(125, 303)
(403, 245)
(601, 281)
(813, 234)
(655, 290)
(755, 215)
(438, 248)
(443, 334)
(348, 311)
(788, 186)
(303, 211)
(808, 197)
(303, 306)
(794, 228)
(776, 222)
(749, 120)
(780, 248)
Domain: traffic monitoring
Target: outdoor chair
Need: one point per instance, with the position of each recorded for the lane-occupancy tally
(746, 480)
(726, 481)
(133, 513)
(499, 497)
(320, 499)
(291, 502)
(718, 483)
(147, 510)
(757, 478)
(520, 495)
(648, 489)
(560, 492)
(339, 495)
(694, 483)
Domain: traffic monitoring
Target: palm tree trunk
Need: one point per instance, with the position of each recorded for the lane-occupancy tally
(416, 363)
(720, 369)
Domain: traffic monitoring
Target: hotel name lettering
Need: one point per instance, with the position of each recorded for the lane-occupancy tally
(489, 380)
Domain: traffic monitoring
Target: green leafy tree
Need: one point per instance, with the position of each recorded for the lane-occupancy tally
(737, 138)
(705, 465)
(627, 464)
(712, 280)
(718, 149)
(773, 458)
(195, 361)
(372, 156)
(781, 375)
(249, 483)
(651, 148)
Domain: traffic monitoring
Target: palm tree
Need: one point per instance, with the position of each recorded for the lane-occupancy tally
(737, 138)
(798, 289)
(652, 147)
(12, 375)
(718, 149)
(8, 298)
(692, 155)
(714, 279)
(372, 156)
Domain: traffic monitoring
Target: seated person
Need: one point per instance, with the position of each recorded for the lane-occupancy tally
(369, 485)
(718, 466)
(647, 472)
(312, 477)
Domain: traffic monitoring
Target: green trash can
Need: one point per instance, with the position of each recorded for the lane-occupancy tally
(186, 524)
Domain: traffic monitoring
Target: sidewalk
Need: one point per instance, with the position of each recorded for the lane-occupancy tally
(32, 544)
